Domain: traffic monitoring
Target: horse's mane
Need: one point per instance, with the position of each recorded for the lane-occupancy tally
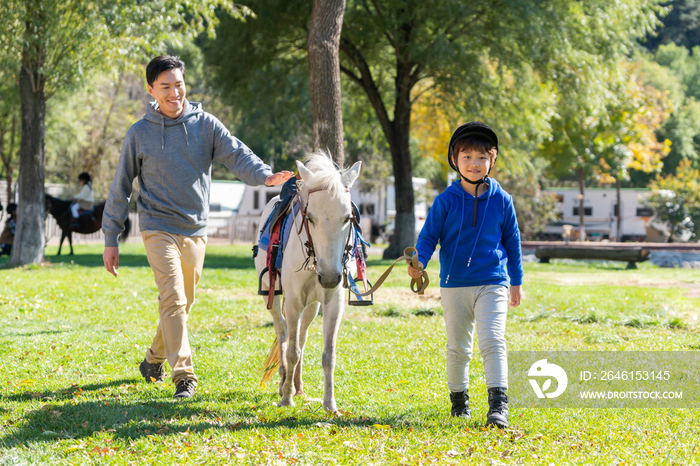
(326, 175)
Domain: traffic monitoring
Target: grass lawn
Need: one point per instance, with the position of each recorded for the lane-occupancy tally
(71, 338)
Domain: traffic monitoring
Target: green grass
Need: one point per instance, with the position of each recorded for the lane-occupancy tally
(71, 338)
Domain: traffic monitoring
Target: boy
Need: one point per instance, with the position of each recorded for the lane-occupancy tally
(171, 151)
(474, 222)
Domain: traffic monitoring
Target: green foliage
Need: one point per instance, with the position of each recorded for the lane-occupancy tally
(86, 128)
(682, 80)
(676, 200)
(681, 25)
(64, 40)
(534, 207)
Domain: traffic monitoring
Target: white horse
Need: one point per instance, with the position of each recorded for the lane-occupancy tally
(311, 277)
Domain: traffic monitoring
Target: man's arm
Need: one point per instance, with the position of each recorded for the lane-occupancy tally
(241, 161)
(117, 205)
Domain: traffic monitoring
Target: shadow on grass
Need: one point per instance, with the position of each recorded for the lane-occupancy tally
(137, 419)
(213, 260)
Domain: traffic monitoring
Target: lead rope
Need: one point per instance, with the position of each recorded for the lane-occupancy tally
(418, 285)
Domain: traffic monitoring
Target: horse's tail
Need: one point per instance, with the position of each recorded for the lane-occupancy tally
(271, 364)
(127, 229)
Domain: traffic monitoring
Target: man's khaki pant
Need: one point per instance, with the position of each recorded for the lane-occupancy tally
(177, 263)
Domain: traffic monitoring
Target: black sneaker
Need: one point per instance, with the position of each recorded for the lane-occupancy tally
(498, 408)
(152, 372)
(185, 388)
(460, 404)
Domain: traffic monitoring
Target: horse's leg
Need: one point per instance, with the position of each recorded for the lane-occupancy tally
(281, 331)
(293, 352)
(333, 308)
(60, 245)
(70, 241)
(307, 317)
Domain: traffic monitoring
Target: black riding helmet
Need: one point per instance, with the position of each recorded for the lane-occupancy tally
(473, 128)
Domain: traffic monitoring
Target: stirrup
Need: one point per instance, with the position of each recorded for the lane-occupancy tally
(360, 300)
(262, 292)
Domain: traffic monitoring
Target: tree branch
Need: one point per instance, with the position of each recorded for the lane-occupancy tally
(366, 81)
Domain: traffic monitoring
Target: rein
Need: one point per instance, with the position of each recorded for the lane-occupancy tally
(418, 285)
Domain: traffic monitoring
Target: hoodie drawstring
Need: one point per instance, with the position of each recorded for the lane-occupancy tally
(185, 128)
(483, 220)
(162, 133)
(459, 234)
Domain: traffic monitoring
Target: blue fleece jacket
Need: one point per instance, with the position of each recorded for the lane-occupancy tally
(473, 255)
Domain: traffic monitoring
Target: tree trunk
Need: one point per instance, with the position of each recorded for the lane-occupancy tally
(28, 247)
(581, 209)
(619, 209)
(324, 76)
(405, 221)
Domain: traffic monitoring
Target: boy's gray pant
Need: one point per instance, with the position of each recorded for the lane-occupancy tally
(487, 306)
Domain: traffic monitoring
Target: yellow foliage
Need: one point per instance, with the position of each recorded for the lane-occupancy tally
(432, 124)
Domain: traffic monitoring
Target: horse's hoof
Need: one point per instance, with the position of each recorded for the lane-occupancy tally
(286, 401)
(300, 393)
(331, 408)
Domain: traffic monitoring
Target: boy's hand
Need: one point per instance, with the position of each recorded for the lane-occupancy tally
(415, 273)
(516, 294)
(278, 178)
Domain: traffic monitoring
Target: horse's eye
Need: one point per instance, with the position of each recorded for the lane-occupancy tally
(311, 220)
(348, 219)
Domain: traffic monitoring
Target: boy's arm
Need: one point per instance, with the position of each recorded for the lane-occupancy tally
(511, 242)
(238, 158)
(430, 234)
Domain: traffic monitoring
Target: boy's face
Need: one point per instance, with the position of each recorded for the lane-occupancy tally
(474, 165)
(169, 91)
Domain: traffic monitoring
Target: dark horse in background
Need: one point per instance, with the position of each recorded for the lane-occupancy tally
(89, 223)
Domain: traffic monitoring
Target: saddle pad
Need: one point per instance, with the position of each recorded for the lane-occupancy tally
(287, 223)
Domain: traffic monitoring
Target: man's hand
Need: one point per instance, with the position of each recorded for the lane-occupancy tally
(111, 259)
(516, 294)
(278, 178)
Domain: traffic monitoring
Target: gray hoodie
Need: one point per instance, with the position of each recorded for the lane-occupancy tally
(172, 160)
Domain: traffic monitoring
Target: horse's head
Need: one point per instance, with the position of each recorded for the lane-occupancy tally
(326, 193)
(48, 202)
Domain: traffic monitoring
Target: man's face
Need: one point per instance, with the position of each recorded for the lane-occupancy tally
(169, 91)
(474, 165)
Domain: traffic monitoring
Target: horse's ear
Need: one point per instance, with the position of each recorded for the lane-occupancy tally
(304, 172)
(351, 174)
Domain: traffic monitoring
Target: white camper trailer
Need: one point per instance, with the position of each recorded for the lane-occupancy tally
(600, 213)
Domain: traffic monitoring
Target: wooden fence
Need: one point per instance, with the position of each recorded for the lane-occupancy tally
(241, 228)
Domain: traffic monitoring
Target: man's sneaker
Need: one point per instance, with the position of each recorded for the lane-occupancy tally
(498, 408)
(460, 404)
(185, 388)
(152, 372)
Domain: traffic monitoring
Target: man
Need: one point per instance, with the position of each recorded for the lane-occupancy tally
(171, 151)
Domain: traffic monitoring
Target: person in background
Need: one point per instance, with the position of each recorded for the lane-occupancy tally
(84, 200)
(7, 236)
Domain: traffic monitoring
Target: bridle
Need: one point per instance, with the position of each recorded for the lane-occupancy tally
(309, 244)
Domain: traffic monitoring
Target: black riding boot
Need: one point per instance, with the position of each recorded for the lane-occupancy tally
(498, 408)
(460, 404)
